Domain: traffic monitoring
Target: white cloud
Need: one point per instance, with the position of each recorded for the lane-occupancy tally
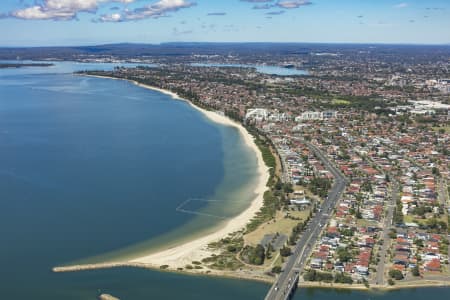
(39, 13)
(60, 9)
(156, 10)
(401, 5)
(293, 3)
(111, 18)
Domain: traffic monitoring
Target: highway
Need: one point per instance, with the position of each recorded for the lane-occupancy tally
(286, 282)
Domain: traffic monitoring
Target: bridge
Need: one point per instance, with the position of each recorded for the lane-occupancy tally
(287, 282)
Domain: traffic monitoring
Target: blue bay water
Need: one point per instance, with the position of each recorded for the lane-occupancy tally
(93, 169)
(264, 69)
(92, 166)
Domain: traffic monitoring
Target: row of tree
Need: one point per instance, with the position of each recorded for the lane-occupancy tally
(319, 186)
(314, 275)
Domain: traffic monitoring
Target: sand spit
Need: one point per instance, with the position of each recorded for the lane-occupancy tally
(107, 297)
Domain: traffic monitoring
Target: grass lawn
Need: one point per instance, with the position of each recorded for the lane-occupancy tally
(446, 128)
(340, 102)
(443, 218)
(281, 225)
(416, 219)
(365, 223)
(445, 269)
(413, 219)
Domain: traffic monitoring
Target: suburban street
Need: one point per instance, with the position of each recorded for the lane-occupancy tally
(443, 193)
(393, 195)
(445, 200)
(287, 280)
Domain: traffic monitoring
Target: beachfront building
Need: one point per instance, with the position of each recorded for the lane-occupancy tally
(316, 115)
(257, 114)
(302, 202)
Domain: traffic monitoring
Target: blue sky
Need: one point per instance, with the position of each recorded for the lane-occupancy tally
(86, 22)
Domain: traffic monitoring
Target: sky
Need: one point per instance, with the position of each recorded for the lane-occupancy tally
(91, 22)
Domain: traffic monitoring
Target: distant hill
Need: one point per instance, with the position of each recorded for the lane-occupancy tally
(127, 50)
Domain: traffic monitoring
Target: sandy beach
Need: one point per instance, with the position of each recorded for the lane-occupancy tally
(197, 249)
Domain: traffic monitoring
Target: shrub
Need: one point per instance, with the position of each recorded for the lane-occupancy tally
(343, 278)
(253, 255)
(415, 271)
(231, 248)
(313, 275)
(285, 251)
(276, 269)
(396, 274)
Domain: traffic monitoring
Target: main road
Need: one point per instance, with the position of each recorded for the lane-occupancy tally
(387, 223)
(287, 281)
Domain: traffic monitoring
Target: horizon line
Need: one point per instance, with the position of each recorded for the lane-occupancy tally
(217, 43)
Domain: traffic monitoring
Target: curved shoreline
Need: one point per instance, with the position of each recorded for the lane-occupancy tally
(156, 260)
(196, 249)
